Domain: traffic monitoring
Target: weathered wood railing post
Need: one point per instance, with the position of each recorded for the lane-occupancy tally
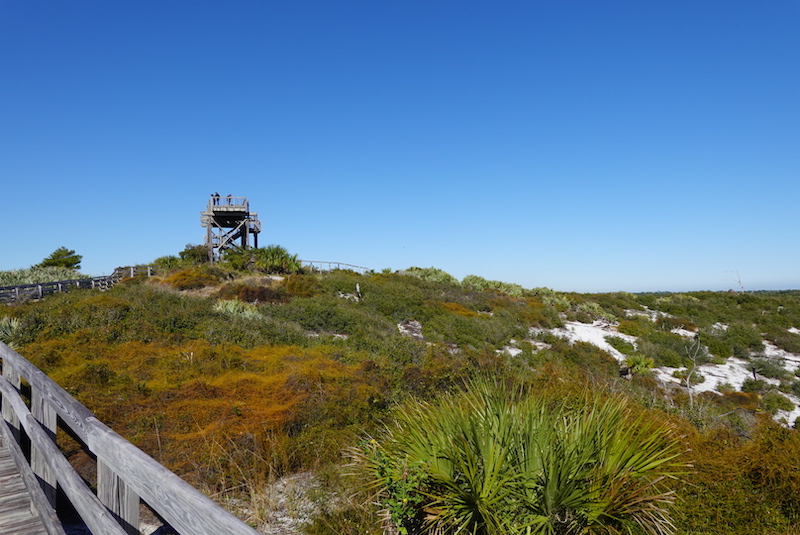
(118, 497)
(46, 415)
(12, 376)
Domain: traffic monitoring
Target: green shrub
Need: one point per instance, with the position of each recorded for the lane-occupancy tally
(636, 326)
(683, 375)
(756, 386)
(668, 349)
(591, 359)
(480, 284)
(474, 331)
(744, 338)
(725, 388)
(774, 401)
(275, 259)
(621, 345)
(194, 255)
(431, 274)
(716, 346)
(558, 301)
(639, 364)
(272, 259)
(662, 355)
(587, 312)
(669, 323)
(785, 340)
(618, 303)
(302, 285)
(167, 263)
(769, 368)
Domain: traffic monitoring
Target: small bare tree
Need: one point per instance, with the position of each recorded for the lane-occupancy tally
(694, 352)
(738, 280)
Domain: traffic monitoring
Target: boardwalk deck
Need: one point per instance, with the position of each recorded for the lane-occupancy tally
(16, 514)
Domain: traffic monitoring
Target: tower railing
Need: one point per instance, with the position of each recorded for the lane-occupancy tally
(228, 203)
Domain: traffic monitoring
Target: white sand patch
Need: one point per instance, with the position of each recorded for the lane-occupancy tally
(511, 349)
(685, 333)
(412, 329)
(594, 333)
(664, 375)
(734, 371)
(791, 361)
(790, 416)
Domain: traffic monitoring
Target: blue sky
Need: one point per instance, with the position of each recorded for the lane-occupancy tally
(583, 146)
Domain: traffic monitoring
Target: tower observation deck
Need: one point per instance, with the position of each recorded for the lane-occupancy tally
(229, 223)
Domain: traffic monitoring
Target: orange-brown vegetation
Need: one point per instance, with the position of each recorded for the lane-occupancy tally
(191, 279)
(456, 308)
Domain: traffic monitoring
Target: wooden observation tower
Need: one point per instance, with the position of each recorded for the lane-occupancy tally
(229, 223)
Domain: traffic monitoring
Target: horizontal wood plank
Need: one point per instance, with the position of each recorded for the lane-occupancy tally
(24, 509)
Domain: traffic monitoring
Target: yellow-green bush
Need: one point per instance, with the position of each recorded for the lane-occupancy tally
(191, 279)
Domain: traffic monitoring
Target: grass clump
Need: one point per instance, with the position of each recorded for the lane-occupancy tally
(38, 275)
(234, 307)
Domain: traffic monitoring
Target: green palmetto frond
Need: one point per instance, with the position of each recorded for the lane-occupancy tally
(8, 330)
(496, 461)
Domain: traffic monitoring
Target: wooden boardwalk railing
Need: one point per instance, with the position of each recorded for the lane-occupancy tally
(325, 265)
(12, 294)
(126, 476)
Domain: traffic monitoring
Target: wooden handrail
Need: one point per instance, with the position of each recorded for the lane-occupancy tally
(10, 294)
(125, 474)
(333, 265)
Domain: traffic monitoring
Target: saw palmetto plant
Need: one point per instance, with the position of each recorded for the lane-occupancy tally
(497, 461)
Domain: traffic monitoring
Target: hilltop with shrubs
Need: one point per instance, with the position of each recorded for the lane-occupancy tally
(409, 401)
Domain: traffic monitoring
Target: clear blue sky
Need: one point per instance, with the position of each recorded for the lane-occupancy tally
(578, 145)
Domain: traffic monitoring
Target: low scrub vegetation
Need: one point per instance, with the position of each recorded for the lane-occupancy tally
(235, 375)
